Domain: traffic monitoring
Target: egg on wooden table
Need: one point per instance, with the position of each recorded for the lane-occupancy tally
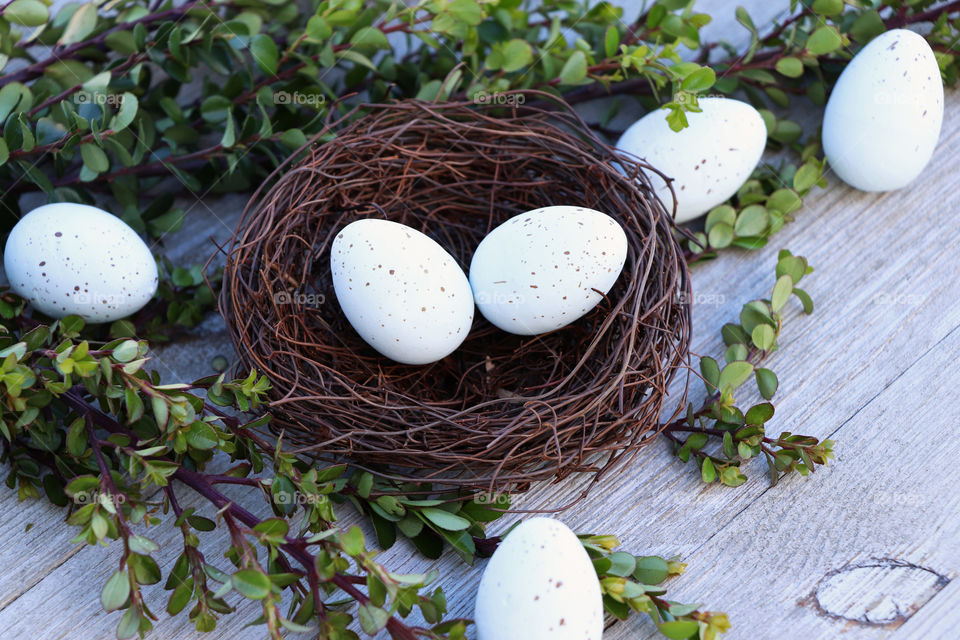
(541, 270)
(74, 259)
(539, 585)
(883, 118)
(401, 291)
(709, 160)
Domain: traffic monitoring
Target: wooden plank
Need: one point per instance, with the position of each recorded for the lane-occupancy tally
(937, 619)
(873, 366)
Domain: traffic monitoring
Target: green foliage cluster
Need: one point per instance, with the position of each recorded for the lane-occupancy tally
(123, 98)
(86, 425)
(740, 433)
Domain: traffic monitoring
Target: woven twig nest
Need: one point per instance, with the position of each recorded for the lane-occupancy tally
(502, 410)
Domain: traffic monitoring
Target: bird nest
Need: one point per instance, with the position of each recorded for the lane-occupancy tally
(502, 410)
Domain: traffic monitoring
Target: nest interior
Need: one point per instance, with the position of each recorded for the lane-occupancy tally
(502, 410)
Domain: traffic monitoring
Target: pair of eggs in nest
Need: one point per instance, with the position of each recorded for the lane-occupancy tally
(407, 297)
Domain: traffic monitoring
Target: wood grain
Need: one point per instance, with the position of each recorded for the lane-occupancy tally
(868, 548)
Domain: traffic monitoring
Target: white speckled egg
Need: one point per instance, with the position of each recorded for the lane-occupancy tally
(401, 291)
(539, 585)
(883, 117)
(73, 259)
(708, 160)
(539, 270)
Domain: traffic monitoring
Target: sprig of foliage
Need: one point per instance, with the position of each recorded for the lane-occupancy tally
(103, 107)
(741, 434)
(632, 583)
(87, 425)
(91, 425)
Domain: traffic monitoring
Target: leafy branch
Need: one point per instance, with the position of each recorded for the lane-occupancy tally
(741, 434)
(86, 424)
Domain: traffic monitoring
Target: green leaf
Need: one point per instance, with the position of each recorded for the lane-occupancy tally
(708, 472)
(763, 337)
(732, 477)
(122, 42)
(28, 13)
(611, 41)
(94, 158)
(81, 485)
(115, 591)
(264, 52)
(468, 11)
(272, 527)
(129, 624)
(370, 38)
(867, 26)
(352, 541)
(251, 583)
(445, 520)
(4, 152)
(696, 441)
(700, 80)
(372, 618)
(786, 131)
(142, 545)
(806, 176)
(201, 524)
(723, 214)
(622, 564)
(365, 484)
(828, 7)
(679, 629)
(805, 299)
(781, 292)
(824, 40)
(710, 371)
(202, 436)
(651, 570)
(752, 221)
(517, 54)
(145, 569)
(735, 374)
(126, 351)
(574, 69)
(126, 113)
(790, 67)
(766, 382)
(794, 266)
(318, 28)
(180, 598)
(759, 414)
(721, 235)
(81, 24)
(784, 200)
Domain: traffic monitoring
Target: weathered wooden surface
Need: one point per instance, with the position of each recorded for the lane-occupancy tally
(868, 548)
